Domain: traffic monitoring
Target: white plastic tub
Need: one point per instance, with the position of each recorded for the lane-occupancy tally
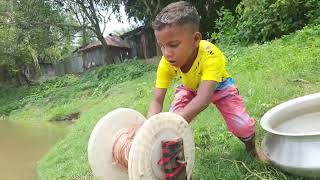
(292, 141)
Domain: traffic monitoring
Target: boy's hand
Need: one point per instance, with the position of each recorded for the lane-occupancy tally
(157, 101)
(200, 102)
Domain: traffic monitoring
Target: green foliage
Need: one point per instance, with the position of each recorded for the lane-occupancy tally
(16, 98)
(227, 34)
(103, 78)
(133, 9)
(45, 28)
(209, 12)
(313, 14)
(260, 21)
(12, 54)
(32, 31)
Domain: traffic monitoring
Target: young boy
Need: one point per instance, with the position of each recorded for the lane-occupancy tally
(201, 67)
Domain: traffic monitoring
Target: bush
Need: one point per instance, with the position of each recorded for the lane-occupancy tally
(260, 21)
(103, 78)
(226, 24)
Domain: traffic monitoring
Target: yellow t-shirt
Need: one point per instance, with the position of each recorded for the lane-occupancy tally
(210, 64)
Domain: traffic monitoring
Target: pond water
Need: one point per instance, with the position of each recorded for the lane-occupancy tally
(22, 145)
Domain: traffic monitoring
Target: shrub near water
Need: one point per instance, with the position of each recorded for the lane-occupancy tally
(103, 78)
(67, 89)
(16, 98)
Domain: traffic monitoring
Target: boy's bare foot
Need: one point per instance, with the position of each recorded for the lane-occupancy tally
(260, 155)
(255, 151)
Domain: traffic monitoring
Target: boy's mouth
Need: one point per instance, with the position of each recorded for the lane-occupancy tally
(171, 62)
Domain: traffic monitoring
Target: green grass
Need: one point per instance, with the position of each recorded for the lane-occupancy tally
(265, 74)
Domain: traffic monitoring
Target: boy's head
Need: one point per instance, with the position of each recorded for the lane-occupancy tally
(177, 32)
(178, 13)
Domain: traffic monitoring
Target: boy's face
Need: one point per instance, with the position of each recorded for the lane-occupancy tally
(178, 44)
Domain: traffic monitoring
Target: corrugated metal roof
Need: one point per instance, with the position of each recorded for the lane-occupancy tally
(112, 40)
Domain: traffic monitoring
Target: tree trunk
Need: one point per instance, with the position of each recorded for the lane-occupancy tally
(108, 56)
(25, 78)
(22, 78)
(92, 15)
(19, 79)
(35, 61)
(158, 49)
(84, 37)
(2, 73)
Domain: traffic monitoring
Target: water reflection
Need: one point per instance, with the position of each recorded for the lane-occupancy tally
(22, 145)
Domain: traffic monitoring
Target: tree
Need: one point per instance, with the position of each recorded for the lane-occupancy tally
(134, 8)
(90, 14)
(32, 30)
(260, 21)
(207, 9)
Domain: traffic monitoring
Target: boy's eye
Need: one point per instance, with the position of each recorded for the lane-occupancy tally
(174, 45)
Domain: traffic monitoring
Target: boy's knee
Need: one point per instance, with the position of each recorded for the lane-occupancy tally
(245, 129)
(181, 98)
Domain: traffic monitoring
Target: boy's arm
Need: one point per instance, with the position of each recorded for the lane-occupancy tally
(157, 101)
(200, 102)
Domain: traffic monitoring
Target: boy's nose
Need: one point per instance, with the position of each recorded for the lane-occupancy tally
(168, 53)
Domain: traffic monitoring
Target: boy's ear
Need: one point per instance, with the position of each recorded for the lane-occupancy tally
(197, 38)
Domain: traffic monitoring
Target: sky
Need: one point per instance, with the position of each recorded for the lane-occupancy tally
(114, 25)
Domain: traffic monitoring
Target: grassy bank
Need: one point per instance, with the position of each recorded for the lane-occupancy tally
(266, 75)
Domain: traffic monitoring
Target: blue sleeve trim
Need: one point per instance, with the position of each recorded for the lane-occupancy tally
(225, 83)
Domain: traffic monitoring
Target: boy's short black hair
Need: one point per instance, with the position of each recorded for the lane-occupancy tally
(177, 13)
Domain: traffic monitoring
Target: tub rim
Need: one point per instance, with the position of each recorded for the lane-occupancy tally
(282, 106)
